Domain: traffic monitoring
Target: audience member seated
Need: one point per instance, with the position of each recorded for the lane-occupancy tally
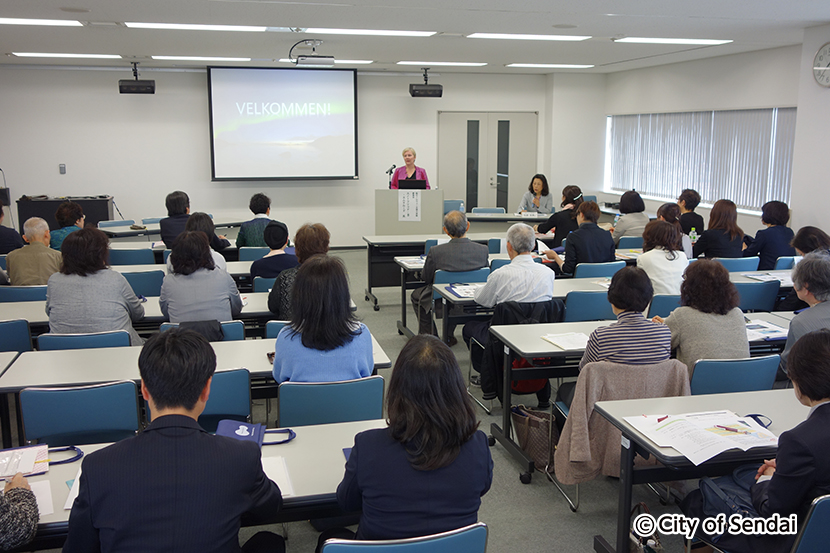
(774, 241)
(202, 222)
(538, 198)
(86, 295)
(723, 238)
(587, 244)
(670, 213)
(811, 281)
(178, 212)
(687, 202)
(800, 471)
(70, 217)
(275, 261)
(563, 222)
(252, 233)
(9, 238)
(806, 240)
(18, 513)
(33, 264)
(633, 220)
(173, 487)
(709, 324)
(459, 254)
(196, 290)
(311, 239)
(522, 280)
(663, 259)
(427, 471)
(324, 342)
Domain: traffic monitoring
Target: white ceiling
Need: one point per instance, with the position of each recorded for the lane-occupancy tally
(752, 25)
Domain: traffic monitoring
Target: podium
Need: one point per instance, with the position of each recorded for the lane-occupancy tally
(429, 205)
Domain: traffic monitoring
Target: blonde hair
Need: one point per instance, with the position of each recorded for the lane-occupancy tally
(409, 150)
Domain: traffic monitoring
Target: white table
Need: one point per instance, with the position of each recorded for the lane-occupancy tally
(154, 229)
(234, 268)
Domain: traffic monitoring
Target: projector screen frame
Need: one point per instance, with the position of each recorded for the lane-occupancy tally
(213, 176)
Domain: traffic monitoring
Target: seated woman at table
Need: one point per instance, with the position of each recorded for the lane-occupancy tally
(633, 221)
(663, 259)
(709, 324)
(670, 212)
(563, 222)
(324, 341)
(202, 222)
(587, 244)
(70, 217)
(723, 238)
(196, 290)
(800, 471)
(427, 471)
(18, 513)
(538, 198)
(806, 240)
(86, 295)
(276, 260)
(311, 239)
(774, 241)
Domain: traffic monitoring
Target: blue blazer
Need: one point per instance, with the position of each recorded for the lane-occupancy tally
(770, 244)
(588, 244)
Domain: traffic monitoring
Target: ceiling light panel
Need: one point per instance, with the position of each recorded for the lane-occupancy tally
(197, 58)
(368, 32)
(443, 63)
(692, 41)
(194, 27)
(549, 65)
(63, 55)
(503, 36)
(43, 22)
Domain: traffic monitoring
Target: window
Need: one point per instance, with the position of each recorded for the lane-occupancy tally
(741, 155)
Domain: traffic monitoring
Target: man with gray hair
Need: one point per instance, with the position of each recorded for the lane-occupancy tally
(33, 264)
(811, 281)
(459, 254)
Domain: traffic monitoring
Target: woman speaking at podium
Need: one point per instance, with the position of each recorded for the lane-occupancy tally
(409, 171)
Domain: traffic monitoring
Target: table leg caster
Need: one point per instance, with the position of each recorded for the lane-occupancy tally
(525, 477)
(491, 441)
(376, 307)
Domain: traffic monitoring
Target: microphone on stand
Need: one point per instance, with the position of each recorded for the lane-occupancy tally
(389, 171)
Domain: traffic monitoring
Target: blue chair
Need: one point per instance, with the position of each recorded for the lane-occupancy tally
(233, 330)
(122, 223)
(3, 262)
(110, 339)
(262, 284)
(165, 254)
(739, 264)
(151, 220)
(589, 198)
(308, 403)
(80, 415)
(588, 306)
(784, 263)
(132, 257)
(467, 277)
(758, 296)
(663, 304)
(428, 244)
(723, 376)
(630, 242)
(272, 328)
(453, 205)
(594, 270)
(252, 254)
(489, 210)
(815, 530)
(494, 245)
(498, 263)
(22, 293)
(470, 539)
(15, 335)
(146, 283)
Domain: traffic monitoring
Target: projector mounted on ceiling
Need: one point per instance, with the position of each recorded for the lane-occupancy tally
(426, 90)
(313, 59)
(126, 86)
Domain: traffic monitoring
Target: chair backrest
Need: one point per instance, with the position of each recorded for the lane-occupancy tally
(248, 253)
(15, 335)
(230, 398)
(631, 242)
(307, 403)
(165, 254)
(589, 198)
(594, 270)
(453, 205)
(428, 244)
(784, 263)
(663, 304)
(272, 328)
(80, 415)
(232, 330)
(814, 533)
(262, 284)
(146, 283)
(3, 262)
(738, 264)
(758, 296)
(123, 223)
(498, 263)
(151, 220)
(132, 257)
(722, 376)
(588, 306)
(470, 539)
(467, 277)
(489, 210)
(22, 293)
(109, 339)
(497, 245)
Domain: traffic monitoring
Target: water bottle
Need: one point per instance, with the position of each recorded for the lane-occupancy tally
(616, 220)
(693, 235)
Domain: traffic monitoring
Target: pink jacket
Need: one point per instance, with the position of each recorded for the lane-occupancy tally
(400, 173)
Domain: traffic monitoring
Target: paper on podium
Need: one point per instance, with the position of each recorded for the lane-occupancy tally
(276, 469)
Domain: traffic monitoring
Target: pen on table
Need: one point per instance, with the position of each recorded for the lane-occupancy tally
(661, 419)
(730, 429)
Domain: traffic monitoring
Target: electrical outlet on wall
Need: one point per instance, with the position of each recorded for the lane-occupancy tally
(62, 168)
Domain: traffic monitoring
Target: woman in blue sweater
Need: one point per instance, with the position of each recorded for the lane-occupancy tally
(774, 241)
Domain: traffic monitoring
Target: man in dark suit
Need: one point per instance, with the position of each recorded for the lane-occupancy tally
(459, 254)
(173, 487)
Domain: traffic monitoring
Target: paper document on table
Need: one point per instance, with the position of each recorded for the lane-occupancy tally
(43, 495)
(629, 254)
(757, 330)
(276, 469)
(28, 460)
(784, 277)
(73, 492)
(465, 290)
(414, 262)
(604, 282)
(568, 340)
(541, 247)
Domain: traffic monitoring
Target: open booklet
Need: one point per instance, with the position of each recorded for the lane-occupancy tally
(701, 436)
(757, 330)
(568, 340)
(784, 277)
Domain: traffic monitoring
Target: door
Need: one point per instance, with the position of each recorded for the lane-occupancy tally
(486, 158)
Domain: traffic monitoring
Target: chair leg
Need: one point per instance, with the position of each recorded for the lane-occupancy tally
(572, 503)
(469, 374)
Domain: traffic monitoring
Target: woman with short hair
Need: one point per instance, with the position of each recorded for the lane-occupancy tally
(538, 198)
(634, 220)
(663, 259)
(587, 244)
(670, 212)
(409, 171)
(774, 241)
(70, 218)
